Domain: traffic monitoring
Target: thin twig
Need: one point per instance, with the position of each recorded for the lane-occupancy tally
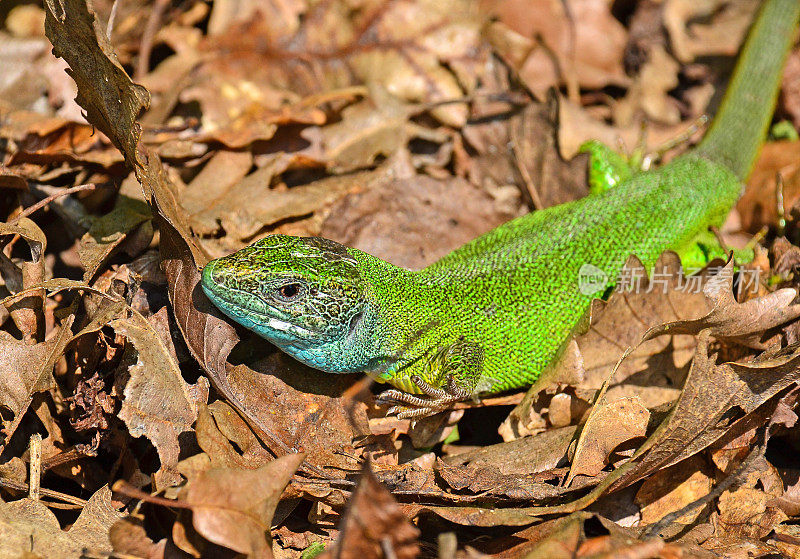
(18, 486)
(35, 467)
(149, 35)
(122, 486)
(42, 203)
(112, 16)
(77, 452)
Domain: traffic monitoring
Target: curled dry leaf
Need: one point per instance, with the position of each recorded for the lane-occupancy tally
(227, 440)
(34, 372)
(557, 538)
(157, 402)
(744, 323)
(27, 310)
(112, 102)
(108, 232)
(128, 536)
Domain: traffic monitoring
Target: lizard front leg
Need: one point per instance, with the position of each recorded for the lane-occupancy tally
(450, 375)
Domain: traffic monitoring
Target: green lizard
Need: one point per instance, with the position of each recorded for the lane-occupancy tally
(491, 315)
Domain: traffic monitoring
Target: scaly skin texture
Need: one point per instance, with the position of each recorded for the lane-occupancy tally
(493, 314)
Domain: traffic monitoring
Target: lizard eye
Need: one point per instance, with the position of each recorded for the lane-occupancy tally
(289, 292)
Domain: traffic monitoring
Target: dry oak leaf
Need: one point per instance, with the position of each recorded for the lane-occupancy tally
(743, 323)
(233, 507)
(111, 100)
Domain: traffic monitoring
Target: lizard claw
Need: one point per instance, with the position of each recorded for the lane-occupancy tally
(435, 400)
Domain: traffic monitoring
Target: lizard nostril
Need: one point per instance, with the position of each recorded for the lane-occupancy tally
(208, 277)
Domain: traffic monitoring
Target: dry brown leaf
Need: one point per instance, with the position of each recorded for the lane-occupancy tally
(697, 418)
(283, 16)
(251, 205)
(26, 310)
(758, 206)
(527, 455)
(28, 526)
(374, 525)
(673, 488)
(690, 39)
(378, 126)
(227, 440)
(221, 173)
(744, 513)
(615, 423)
(34, 372)
(433, 216)
(157, 402)
(744, 323)
(108, 232)
(588, 48)
(128, 536)
(533, 137)
(233, 507)
(487, 480)
(112, 102)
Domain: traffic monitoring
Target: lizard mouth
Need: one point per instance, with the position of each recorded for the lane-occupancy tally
(234, 303)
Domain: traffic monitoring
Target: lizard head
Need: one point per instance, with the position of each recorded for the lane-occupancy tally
(300, 293)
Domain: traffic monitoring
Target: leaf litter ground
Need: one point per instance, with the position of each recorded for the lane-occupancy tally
(138, 421)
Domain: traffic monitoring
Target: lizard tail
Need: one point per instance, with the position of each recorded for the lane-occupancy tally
(740, 125)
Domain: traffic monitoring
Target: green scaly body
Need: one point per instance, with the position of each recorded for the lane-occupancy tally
(493, 314)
